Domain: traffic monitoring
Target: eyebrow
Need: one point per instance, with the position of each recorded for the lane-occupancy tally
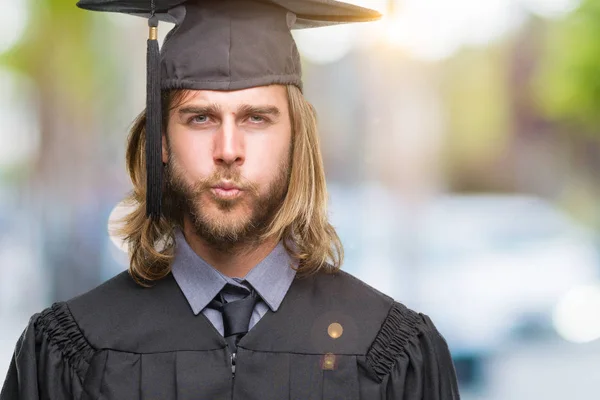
(248, 109)
(245, 109)
(209, 109)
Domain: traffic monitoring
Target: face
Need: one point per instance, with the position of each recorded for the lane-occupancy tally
(228, 161)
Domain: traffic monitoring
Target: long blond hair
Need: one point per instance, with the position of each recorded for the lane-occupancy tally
(301, 221)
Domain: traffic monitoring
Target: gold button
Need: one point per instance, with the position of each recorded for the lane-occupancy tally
(335, 330)
(329, 362)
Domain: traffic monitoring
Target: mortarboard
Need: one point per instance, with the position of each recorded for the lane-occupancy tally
(220, 45)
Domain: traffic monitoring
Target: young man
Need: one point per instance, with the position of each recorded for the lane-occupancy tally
(234, 289)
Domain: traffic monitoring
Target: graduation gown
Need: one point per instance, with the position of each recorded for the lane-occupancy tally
(122, 341)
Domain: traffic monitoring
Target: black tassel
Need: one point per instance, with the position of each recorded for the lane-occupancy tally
(154, 167)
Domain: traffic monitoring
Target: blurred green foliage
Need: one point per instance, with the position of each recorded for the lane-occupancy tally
(56, 48)
(62, 64)
(477, 96)
(568, 80)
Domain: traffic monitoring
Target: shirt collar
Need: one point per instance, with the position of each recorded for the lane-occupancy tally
(272, 277)
(200, 282)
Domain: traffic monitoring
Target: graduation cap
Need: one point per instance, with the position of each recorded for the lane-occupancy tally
(220, 45)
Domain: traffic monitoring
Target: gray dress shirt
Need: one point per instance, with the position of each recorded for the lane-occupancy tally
(200, 282)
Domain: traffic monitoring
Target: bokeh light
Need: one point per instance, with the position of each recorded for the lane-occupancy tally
(115, 222)
(20, 132)
(13, 22)
(577, 315)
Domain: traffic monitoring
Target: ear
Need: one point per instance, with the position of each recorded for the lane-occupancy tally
(165, 151)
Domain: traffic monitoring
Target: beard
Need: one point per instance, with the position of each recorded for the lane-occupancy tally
(222, 222)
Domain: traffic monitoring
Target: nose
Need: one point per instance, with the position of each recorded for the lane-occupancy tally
(229, 147)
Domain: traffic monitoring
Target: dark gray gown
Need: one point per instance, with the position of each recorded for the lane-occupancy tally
(122, 341)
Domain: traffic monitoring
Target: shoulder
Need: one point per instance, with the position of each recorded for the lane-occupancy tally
(343, 294)
(52, 337)
(408, 339)
(332, 299)
(59, 344)
(51, 354)
(109, 304)
(395, 334)
(119, 313)
(401, 326)
(343, 288)
(61, 319)
(73, 324)
(109, 298)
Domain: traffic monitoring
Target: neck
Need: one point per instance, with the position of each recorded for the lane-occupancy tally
(234, 262)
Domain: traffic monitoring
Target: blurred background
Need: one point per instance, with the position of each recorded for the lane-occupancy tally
(462, 144)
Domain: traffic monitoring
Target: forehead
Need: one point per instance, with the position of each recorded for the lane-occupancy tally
(274, 95)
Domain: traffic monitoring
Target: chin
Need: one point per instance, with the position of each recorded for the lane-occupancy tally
(214, 215)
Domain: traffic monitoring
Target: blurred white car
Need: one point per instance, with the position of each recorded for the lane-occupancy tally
(481, 266)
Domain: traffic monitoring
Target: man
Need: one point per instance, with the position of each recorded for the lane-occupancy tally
(234, 289)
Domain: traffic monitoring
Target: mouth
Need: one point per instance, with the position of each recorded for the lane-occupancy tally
(226, 190)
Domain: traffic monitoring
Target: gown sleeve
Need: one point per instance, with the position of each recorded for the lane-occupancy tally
(411, 359)
(50, 359)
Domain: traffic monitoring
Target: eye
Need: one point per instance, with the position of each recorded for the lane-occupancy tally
(256, 119)
(199, 119)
